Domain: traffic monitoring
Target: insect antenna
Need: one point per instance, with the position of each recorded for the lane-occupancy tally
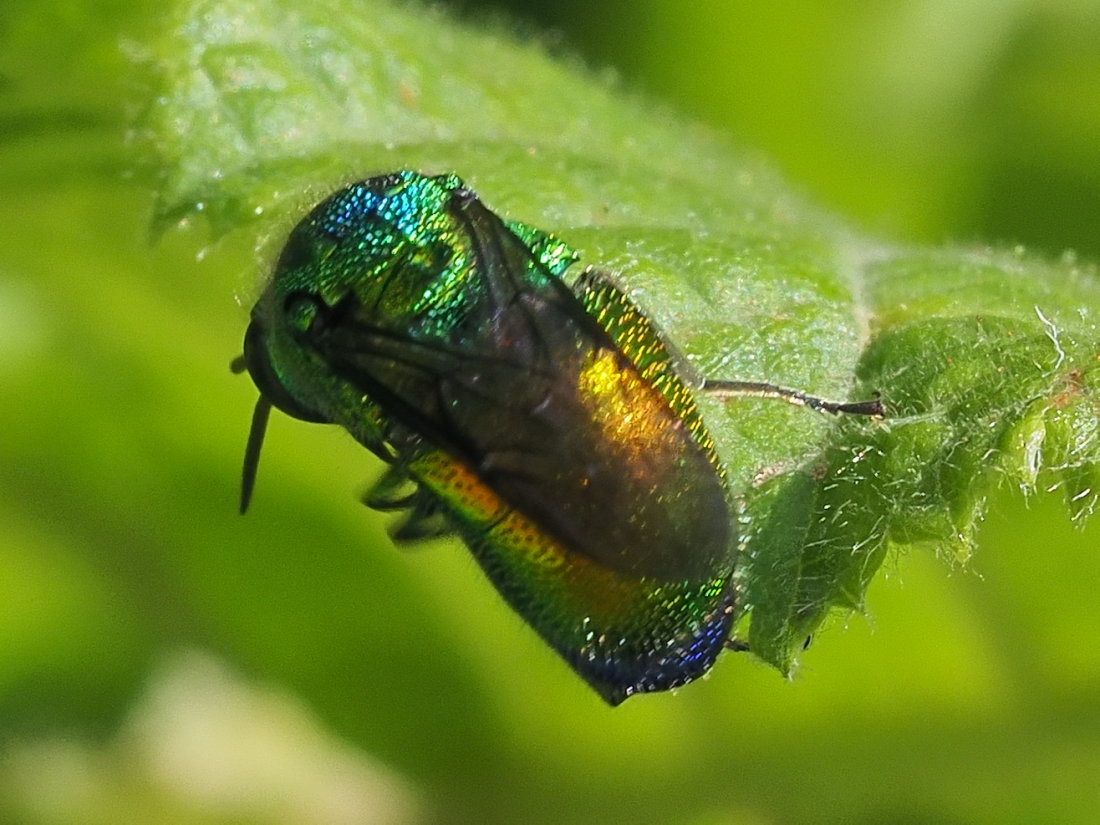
(252, 450)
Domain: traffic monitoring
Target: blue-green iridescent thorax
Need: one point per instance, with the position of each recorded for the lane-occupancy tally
(544, 424)
(392, 243)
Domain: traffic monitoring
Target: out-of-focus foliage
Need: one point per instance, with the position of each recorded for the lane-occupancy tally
(932, 120)
(974, 699)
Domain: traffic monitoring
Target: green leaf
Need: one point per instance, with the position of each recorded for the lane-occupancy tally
(122, 434)
(986, 360)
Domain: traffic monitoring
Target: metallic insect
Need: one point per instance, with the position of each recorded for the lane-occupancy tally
(546, 425)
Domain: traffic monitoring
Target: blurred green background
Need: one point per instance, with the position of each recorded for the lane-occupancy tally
(164, 660)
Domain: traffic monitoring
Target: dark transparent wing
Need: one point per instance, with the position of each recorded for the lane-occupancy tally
(480, 388)
(539, 402)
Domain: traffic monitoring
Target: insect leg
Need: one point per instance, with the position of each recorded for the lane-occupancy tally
(757, 389)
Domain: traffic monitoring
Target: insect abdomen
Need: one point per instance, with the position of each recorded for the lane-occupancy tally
(624, 634)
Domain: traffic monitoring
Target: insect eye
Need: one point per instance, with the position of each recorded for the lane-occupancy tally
(302, 311)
